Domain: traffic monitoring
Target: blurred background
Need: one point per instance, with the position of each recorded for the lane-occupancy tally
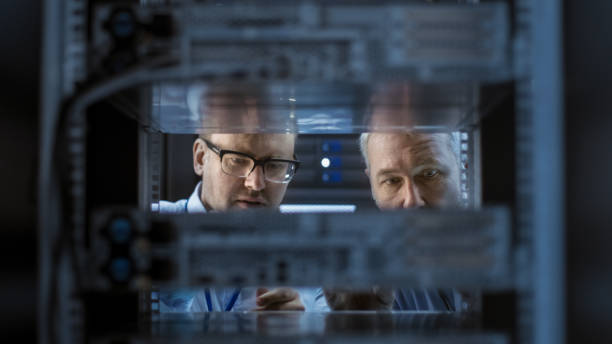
(20, 42)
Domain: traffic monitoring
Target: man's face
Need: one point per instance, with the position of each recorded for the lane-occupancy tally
(221, 192)
(412, 170)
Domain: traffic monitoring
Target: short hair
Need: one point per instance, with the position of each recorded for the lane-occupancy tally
(208, 136)
(363, 147)
(453, 145)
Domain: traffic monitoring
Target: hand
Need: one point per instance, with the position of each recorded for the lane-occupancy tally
(279, 299)
(345, 299)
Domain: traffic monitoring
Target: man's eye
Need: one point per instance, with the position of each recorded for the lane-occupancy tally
(430, 173)
(239, 161)
(275, 166)
(392, 181)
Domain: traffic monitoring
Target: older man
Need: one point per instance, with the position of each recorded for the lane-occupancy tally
(407, 170)
(240, 171)
(410, 170)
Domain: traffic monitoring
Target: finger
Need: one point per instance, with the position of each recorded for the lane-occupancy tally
(384, 296)
(261, 291)
(276, 296)
(377, 299)
(294, 305)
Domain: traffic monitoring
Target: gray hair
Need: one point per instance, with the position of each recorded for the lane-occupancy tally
(453, 145)
(363, 147)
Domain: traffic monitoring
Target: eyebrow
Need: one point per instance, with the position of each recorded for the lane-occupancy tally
(387, 171)
(429, 161)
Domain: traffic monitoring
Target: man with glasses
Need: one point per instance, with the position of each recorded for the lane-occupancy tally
(240, 171)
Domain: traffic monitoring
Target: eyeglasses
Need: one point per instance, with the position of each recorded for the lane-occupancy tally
(239, 164)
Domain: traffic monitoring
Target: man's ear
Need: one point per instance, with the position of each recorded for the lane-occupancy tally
(199, 152)
(367, 172)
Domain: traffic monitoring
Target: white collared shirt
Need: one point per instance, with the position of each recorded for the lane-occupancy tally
(219, 299)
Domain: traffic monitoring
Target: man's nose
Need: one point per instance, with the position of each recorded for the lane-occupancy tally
(411, 196)
(256, 180)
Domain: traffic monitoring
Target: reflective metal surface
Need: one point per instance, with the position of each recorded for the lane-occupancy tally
(418, 248)
(363, 326)
(312, 107)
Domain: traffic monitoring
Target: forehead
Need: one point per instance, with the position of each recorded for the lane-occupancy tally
(258, 145)
(394, 150)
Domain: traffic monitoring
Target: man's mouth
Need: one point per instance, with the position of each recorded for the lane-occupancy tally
(250, 203)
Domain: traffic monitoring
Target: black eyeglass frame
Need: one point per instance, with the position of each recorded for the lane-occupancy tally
(220, 152)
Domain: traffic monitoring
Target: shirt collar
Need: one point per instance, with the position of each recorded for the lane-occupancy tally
(194, 203)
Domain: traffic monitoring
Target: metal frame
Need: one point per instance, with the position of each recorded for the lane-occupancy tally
(539, 144)
(548, 176)
(49, 214)
(540, 163)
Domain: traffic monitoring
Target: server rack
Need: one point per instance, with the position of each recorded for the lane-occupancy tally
(101, 50)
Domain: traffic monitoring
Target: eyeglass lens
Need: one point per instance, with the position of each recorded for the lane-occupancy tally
(240, 166)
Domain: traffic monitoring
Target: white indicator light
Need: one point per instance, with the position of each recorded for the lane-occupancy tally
(325, 162)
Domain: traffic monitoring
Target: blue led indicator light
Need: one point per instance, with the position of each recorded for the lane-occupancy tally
(120, 269)
(332, 177)
(120, 230)
(332, 146)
